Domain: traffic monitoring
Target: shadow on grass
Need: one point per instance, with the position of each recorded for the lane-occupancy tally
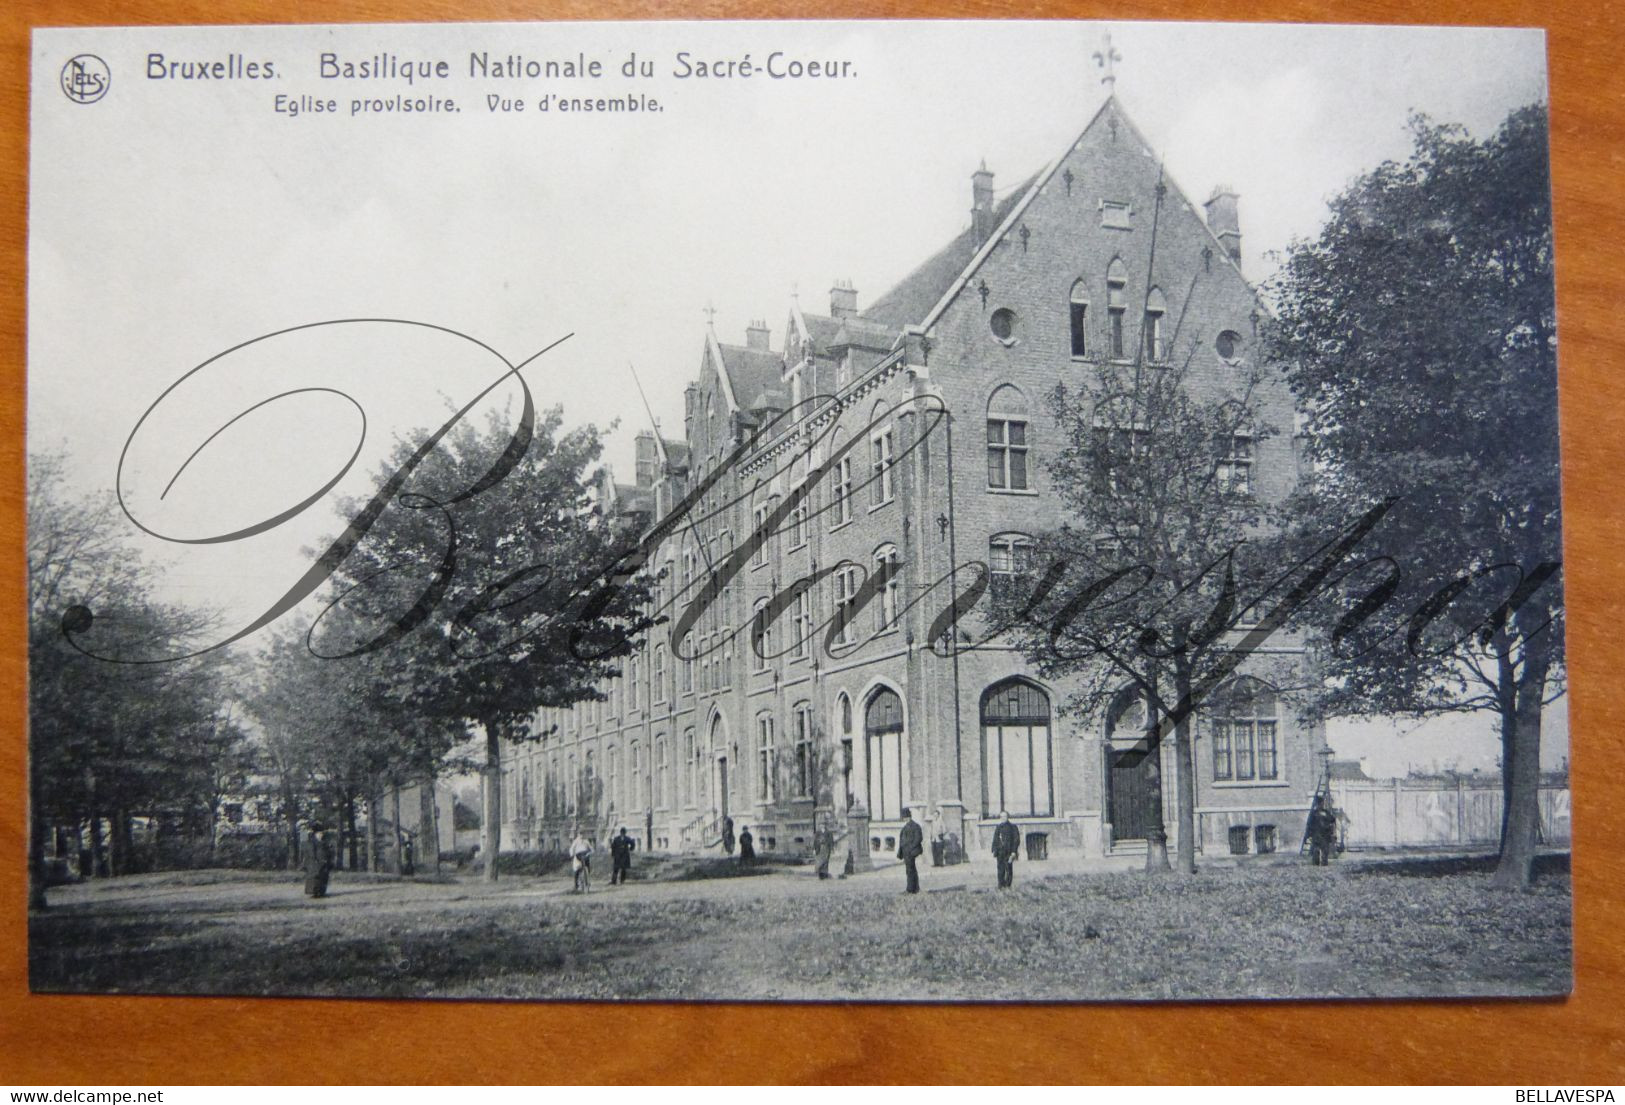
(1438, 867)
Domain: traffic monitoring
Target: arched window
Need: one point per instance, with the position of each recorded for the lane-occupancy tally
(1007, 440)
(688, 663)
(1080, 319)
(659, 673)
(614, 791)
(1016, 774)
(691, 769)
(799, 512)
(1125, 720)
(845, 711)
(843, 715)
(758, 520)
(761, 636)
(634, 683)
(1245, 720)
(764, 758)
(1156, 307)
(1116, 303)
(589, 787)
(883, 738)
(889, 576)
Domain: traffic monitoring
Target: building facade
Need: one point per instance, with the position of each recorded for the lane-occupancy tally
(878, 451)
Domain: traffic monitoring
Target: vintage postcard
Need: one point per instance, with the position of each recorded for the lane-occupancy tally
(808, 511)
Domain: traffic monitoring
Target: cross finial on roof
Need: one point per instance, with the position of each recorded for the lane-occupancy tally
(710, 313)
(1104, 58)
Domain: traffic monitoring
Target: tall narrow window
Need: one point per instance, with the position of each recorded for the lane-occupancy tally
(841, 489)
(889, 570)
(883, 733)
(761, 636)
(881, 453)
(798, 513)
(846, 604)
(634, 683)
(1007, 442)
(1235, 467)
(1009, 558)
(658, 673)
(1156, 309)
(1116, 304)
(758, 517)
(1016, 750)
(801, 623)
(1080, 319)
(662, 775)
(764, 758)
(691, 769)
(806, 753)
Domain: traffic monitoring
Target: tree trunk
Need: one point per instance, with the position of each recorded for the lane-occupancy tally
(395, 829)
(1185, 765)
(349, 824)
(1516, 868)
(1156, 838)
(491, 801)
(97, 867)
(1506, 698)
(428, 857)
(37, 832)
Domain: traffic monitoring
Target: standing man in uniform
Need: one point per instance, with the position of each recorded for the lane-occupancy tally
(1322, 832)
(1006, 843)
(620, 852)
(910, 844)
(318, 861)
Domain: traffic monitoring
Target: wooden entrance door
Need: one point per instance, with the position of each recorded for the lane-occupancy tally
(722, 785)
(1134, 778)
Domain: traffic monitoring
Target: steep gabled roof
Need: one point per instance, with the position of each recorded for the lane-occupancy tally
(828, 333)
(752, 374)
(912, 298)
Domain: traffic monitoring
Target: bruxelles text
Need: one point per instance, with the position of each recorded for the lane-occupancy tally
(1056, 600)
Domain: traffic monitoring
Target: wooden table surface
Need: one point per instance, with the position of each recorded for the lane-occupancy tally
(86, 1041)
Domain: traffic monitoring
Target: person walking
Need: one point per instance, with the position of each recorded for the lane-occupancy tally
(728, 835)
(910, 845)
(318, 861)
(747, 846)
(581, 862)
(1006, 843)
(620, 854)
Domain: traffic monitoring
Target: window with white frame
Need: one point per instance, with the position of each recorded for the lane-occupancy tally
(691, 769)
(1078, 310)
(758, 518)
(881, 461)
(662, 775)
(801, 622)
(1156, 310)
(658, 673)
(806, 753)
(883, 738)
(764, 758)
(1007, 440)
(888, 572)
(1245, 724)
(1116, 304)
(761, 636)
(687, 665)
(847, 582)
(1235, 467)
(1009, 558)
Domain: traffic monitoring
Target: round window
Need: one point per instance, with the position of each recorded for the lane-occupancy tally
(1003, 324)
(1228, 344)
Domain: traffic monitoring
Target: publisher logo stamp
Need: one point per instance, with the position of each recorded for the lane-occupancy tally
(85, 79)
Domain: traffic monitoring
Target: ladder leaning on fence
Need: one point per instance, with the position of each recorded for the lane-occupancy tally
(1323, 794)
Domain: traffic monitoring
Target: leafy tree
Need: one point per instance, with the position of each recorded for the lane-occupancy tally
(1140, 588)
(1420, 331)
(492, 586)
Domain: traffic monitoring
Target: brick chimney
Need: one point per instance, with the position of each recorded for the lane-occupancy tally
(843, 300)
(981, 202)
(757, 335)
(1224, 220)
(648, 458)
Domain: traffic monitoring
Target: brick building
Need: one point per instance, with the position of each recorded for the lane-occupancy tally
(932, 402)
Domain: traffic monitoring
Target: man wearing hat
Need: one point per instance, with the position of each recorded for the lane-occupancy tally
(1006, 843)
(910, 843)
(318, 861)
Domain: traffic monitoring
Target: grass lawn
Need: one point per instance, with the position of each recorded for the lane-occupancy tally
(1357, 929)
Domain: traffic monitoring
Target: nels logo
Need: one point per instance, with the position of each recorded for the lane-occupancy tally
(85, 79)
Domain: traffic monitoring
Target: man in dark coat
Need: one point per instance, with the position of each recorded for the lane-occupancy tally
(910, 844)
(620, 853)
(728, 835)
(1322, 832)
(318, 862)
(1006, 843)
(747, 846)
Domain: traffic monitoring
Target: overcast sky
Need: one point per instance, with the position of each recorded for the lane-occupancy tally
(171, 219)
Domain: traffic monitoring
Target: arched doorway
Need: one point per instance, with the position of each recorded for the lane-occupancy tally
(883, 739)
(1133, 775)
(1017, 775)
(719, 766)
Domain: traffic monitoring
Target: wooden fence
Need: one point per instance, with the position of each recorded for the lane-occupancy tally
(1437, 813)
